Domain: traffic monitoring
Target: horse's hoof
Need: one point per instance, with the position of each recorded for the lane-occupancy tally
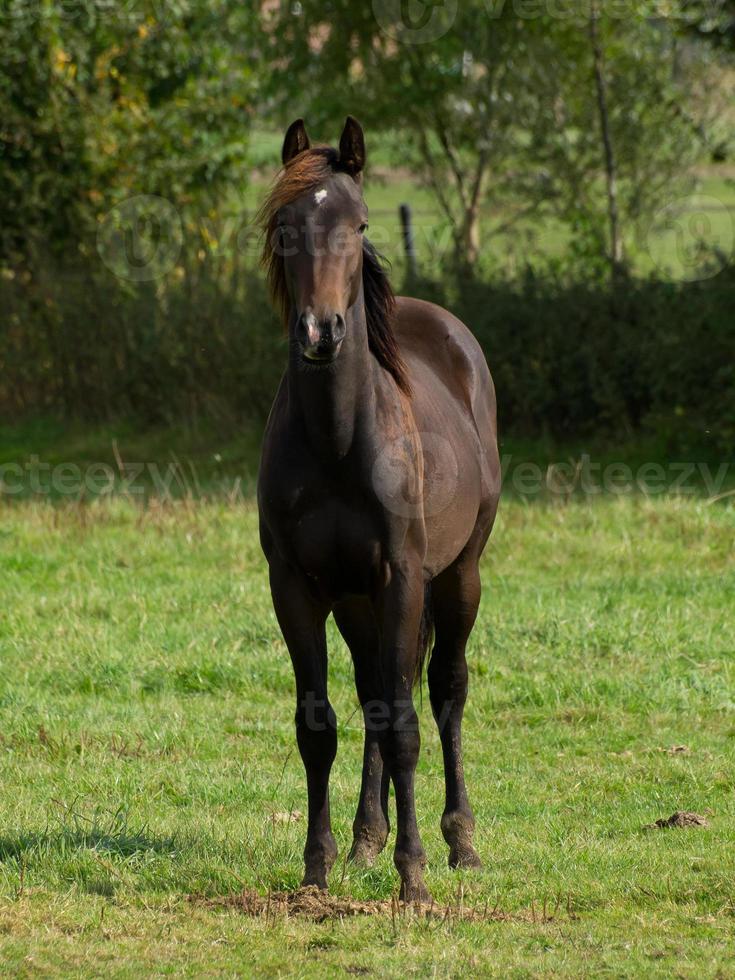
(363, 854)
(464, 857)
(414, 891)
(316, 874)
(319, 859)
(458, 828)
(315, 879)
(366, 846)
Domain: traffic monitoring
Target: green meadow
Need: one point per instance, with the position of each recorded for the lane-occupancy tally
(149, 771)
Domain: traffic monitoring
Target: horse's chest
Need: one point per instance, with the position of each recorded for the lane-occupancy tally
(336, 545)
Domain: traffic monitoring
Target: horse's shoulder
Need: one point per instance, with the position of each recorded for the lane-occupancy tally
(419, 323)
(432, 335)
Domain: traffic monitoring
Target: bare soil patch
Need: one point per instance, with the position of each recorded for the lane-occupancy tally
(682, 818)
(319, 906)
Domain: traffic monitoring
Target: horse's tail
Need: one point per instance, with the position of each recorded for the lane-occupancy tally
(426, 633)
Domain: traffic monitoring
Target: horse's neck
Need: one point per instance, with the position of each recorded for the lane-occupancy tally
(334, 404)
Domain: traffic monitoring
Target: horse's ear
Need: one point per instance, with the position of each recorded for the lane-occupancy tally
(295, 141)
(352, 147)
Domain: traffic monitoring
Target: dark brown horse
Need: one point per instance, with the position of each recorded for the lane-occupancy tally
(378, 489)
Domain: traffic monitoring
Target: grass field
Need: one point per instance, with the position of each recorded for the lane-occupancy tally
(148, 761)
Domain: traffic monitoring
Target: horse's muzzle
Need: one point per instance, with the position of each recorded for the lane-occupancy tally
(320, 339)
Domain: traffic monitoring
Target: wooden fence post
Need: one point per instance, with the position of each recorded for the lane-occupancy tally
(408, 242)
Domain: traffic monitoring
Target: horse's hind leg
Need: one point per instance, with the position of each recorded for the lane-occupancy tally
(357, 625)
(456, 597)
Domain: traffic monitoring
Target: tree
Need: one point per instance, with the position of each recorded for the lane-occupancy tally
(105, 108)
(712, 21)
(611, 131)
(502, 111)
(100, 100)
(455, 104)
(611, 168)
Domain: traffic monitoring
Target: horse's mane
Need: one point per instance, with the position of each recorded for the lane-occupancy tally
(304, 173)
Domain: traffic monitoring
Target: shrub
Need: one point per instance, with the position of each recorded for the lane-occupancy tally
(569, 360)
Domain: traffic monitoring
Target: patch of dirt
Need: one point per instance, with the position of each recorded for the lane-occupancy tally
(291, 817)
(319, 906)
(682, 818)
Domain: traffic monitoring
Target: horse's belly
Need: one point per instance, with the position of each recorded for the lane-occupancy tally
(455, 493)
(448, 531)
(339, 551)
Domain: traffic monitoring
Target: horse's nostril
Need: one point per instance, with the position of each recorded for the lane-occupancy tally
(320, 337)
(308, 329)
(337, 328)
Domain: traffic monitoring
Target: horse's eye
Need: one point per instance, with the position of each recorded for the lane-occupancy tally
(363, 228)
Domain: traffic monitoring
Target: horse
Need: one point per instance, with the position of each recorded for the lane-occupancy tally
(377, 492)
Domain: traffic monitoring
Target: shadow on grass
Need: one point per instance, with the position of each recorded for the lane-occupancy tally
(121, 844)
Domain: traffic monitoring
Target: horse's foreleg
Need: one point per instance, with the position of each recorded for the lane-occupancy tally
(455, 598)
(400, 615)
(302, 621)
(357, 625)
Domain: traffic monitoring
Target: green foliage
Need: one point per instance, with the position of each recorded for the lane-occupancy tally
(205, 344)
(105, 103)
(499, 107)
(570, 360)
(100, 101)
(652, 139)
(712, 21)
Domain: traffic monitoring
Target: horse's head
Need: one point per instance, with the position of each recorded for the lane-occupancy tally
(315, 221)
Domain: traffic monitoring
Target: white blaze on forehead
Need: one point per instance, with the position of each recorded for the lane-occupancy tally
(320, 196)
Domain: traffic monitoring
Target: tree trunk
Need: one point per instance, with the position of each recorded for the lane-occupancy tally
(611, 172)
(471, 236)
